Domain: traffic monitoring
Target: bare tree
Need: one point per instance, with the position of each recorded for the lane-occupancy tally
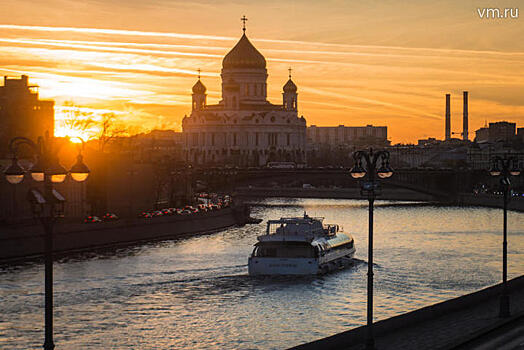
(77, 120)
(109, 129)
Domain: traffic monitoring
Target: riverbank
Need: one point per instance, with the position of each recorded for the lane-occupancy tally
(22, 242)
(387, 193)
(446, 325)
(398, 194)
(490, 200)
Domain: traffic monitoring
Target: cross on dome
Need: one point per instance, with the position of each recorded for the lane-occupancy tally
(289, 69)
(244, 20)
(199, 88)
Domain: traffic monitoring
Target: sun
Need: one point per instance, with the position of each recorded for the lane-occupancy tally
(61, 131)
(73, 122)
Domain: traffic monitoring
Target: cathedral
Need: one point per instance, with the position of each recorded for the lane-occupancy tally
(244, 128)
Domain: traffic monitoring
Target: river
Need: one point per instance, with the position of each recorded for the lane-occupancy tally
(194, 293)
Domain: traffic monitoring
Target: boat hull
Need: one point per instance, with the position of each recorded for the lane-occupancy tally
(259, 266)
(282, 266)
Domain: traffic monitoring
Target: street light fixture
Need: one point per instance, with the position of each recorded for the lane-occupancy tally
(48, 206)
(37, 171)
(370, 189)
(14, 174)
(505, 167)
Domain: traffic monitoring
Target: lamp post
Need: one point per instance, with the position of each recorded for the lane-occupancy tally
(370, 189)
(505, 167)
(48, 170)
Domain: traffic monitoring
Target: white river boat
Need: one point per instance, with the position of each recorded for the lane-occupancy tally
(301, 246)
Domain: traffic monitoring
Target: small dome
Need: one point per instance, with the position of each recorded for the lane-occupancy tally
(199, 88)
(290, 86)
(244, 55)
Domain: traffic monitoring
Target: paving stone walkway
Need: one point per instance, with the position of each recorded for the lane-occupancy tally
(448, 331)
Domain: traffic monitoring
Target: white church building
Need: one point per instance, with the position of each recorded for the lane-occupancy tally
(244, 128)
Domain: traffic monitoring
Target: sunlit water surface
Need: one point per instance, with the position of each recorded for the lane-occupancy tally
(195, 293)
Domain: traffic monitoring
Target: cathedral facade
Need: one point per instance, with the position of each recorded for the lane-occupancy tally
(244, 128)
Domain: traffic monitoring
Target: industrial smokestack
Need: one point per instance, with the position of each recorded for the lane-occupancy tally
(465, 118)
(448, 118)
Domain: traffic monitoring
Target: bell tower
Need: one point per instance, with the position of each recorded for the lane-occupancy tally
(199, 95)
(289, 97)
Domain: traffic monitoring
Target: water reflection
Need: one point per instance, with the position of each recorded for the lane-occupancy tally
(195, 293)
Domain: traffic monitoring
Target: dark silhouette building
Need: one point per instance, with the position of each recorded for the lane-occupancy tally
(22, 113)
(498, 131)
(348, 135)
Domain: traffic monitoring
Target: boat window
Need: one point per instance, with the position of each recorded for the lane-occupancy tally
(285, 251)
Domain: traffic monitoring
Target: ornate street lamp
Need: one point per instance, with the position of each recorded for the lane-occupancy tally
(505, 167)
(366, 163)
(48, 170)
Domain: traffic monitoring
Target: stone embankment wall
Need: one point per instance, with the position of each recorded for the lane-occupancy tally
(341, 193)
(487, 200)
(28, 241)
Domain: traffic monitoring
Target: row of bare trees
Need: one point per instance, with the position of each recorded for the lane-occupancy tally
(104, 129)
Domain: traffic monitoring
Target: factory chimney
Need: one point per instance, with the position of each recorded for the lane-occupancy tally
(448, 119)
(465, 118)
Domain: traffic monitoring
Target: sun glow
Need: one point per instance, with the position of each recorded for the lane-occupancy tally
(73, 134)
(62, 130)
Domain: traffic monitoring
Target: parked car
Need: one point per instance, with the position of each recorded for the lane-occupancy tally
(109, 217)
(191, 209)
(145, 214)
(157, 213)
(91, 219)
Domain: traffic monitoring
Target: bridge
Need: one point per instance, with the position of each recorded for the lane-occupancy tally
(441, 184)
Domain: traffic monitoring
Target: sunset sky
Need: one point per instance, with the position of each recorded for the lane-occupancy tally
(355, 62)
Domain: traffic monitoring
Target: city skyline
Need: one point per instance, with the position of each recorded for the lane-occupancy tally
(354, 68)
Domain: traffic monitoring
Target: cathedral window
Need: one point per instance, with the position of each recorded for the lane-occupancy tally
(212, 139)
(288, 138)
(272, 119)
(256, 139)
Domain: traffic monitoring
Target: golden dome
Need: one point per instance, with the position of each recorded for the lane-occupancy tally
(244, 55)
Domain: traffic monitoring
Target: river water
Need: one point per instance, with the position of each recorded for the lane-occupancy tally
(195, 293)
